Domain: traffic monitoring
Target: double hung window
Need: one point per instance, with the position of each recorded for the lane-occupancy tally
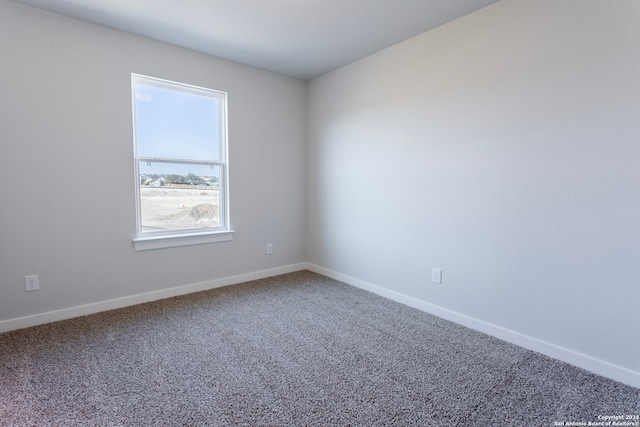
(180, 146)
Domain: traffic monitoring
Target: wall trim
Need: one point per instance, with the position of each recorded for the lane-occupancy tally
(83, 310)
(584, 361)
(597, 366)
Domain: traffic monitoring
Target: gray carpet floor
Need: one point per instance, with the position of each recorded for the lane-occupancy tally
(298, 349)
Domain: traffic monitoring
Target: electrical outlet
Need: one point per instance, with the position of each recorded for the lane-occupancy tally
(31, 283)
(269, 248)
(436, 275)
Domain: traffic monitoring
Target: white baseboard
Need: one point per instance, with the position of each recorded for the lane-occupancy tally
(71, 312)
(572, 357)
(597, 366)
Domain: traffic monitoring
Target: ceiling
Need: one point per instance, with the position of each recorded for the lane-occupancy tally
(298, 38)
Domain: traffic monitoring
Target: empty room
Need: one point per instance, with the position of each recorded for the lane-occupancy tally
(320, 212)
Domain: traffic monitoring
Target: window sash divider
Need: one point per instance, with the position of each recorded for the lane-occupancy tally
(180, 161)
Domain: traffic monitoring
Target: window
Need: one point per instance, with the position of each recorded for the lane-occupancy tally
(180, 149)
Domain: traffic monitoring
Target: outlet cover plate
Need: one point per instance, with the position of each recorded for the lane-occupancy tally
(31, 283)
(436, 275)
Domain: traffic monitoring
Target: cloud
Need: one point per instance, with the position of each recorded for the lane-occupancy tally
(143, 97)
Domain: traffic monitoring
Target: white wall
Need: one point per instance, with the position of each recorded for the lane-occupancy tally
(504, 148)
(66, 167)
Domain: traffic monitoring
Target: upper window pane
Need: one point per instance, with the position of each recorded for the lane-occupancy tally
(173, 124)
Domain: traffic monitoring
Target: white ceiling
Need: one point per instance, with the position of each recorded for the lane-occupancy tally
(299, 38)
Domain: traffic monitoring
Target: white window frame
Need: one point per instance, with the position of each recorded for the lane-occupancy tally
(146, 240)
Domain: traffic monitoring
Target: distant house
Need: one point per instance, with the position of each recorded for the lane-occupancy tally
(158, 182)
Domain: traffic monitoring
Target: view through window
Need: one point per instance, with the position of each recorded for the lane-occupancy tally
(180, 149)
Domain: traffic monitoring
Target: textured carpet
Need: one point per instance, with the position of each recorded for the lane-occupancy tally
(297, 349)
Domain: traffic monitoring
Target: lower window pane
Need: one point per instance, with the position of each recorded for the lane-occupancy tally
(179, 196)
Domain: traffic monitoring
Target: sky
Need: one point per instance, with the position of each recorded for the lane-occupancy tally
(172, 124)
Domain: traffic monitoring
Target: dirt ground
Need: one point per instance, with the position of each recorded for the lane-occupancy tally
(165, 208)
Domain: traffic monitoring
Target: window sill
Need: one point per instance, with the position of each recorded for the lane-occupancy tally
(175, 240)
